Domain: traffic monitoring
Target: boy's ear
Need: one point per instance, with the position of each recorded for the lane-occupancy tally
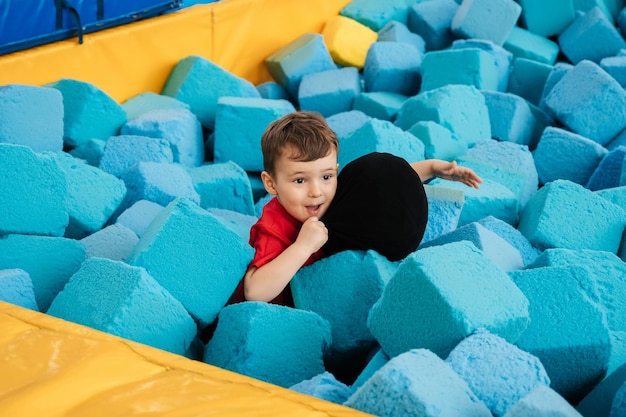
(268, 183)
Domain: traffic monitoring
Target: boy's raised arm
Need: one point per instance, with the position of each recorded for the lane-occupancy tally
(430, 168)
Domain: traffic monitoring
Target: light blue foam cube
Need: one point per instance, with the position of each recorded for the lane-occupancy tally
(374, 14)
(122, 152)
(469, 20)
(547, 18)
(377, 361)
(510, 116)
(558, 71)
(345, 123)
(272, 90)
(523, 43)
(599, 401)
(144, 102)
(513, 236)
(329, 92)
(90, 151)
(115, 242)
(324, 386)
(615, 66)
(395, 31)
(381, 105)
(138, 216)
(528, 79)
(444, 210)
(432, 20)
(502, 57)
(467, 66)
(542, 401)
(439, 142)
(16, 287)
(394, 67)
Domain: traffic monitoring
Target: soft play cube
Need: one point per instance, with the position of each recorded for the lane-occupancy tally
(16, 287)
(394, 67)
(148, 101)
(381, 105)
(542, 401)
(467, 66)
(348, 41)
(375, 14)
(395, 31)
(528, 79)
(115, 242)
(324, 386)
(523, 43)
(444, 210)
(329, 92)
(547, 18)
(439, 142)
(469, 20)
(609, 170)
(138, 216)
(432, 20)
(122, 152)
(501, 56)
(510, 117)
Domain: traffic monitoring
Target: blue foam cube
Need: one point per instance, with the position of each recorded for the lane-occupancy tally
(374, 14)
(523, 43)
(502, 57)
(381, 105)
(542, 401)
(395, 31)
(345, 123)
(324, 386)
(468, 66)
(439, 142)
(511, 118)
(547, 18)
(469, 20)
(16, 287)
(144, 102)
(138, 216)
(432, 20)
(600, 400)
(329, 92)
(115, 242)
(609, 171)
(513, 236)
(122, 152)
(528, 79)
(90, 151)
(444, 210)
(615, 66)
(272, 90)
(394, 67)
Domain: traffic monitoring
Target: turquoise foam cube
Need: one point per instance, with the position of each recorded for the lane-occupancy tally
(502, 57)
(528, 79)
(547, 18)
(16, 287)
(523, 43)
(139, 216)
(439, 142)
(469, 20)
(272, 90)
(144, 102)
(615, 66)
(115, 242)
(324, 386)
(542, 401)
(513, 236)
(381, 105)
(599, 402)
(374, 14)
(329, 92)
(432, 20)
(444, 210)
(467, 66)
(345, 123)
(395, 31)
(90, 151)
(122, 152)
(394, 67)
(510, 116)
(609, 171)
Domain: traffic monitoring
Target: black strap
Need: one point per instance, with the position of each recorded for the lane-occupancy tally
(63, 4)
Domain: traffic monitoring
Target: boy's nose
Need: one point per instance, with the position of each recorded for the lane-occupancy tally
(315, 190)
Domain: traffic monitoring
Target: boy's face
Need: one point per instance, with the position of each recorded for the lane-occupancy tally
(304, 189)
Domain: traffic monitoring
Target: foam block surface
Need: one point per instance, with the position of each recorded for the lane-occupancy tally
(16, 287)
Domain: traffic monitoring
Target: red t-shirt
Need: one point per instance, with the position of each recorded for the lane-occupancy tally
(274, 232)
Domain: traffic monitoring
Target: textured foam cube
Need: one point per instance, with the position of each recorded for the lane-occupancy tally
(238, 222)
(469, 20)
(393, 67)
(198, 82)
(49, 261)
(542, 119)
(348, 41)
(270, 342)
(417, 383)
(439, 142)
(304, 55)
(528, 78)
(502, 58)
(115, 242)
(460, 108)
(510, 116)
(547, 18)
(468, 66)
(558, 71)
(395, 31)
(31, 116)
(223, 185)
(576, 356)
(380, 136)
(449, 298)
(523, 43)
(600, 400)
(615, 66)
(239, 125)
(272, 90)
(138, 216)
(374, 14)
(123, 151)
(90, 151)
(589, 102)
(377, 361)
(609, 171)
(88, 112)
(591, 36)
(193, 255)
(16, 287)
(432, 20)
(563, 214)
(93, 195)
(324, 386)
(148, 101)
(564, 155)
(179, 127)
(444, 210)
(513, 236)
(344, 304)
(31, 185)
(484, 361)
(542, 401)
(381, 105)
(158, 182)
(345, 123)
(490, 243)
(329, 92)
(616, 195)
(126, 301)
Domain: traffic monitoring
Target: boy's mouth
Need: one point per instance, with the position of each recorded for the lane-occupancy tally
(314, 209)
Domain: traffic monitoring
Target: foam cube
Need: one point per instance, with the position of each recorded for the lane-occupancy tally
(375, 15)
(523, 43)
(547, 19)
(215, 257)
(591, 36)
(138, 216)
(198, 82)
(30, 185)
(484, 360)
(123, 151)
(16, 287)
(513, 236)
(31, 116)
(510, 117)
(223, 185)
(148, 101)
(49, 261)
(88, 112)
(439, 142)
(90, 151)
(344, 304)
(542, 119)
(270, 342)
(615, 66)
(417, 383)
(238, 222)
(348, 41)
(575, 357)
(395, 31)
(93, 195)
(273, 91)
(542, 401)
(239, 125)
(329, 92)
(469, 20)
(115, 242)
(380, 136)
(564, 155)
(444, 210)
(609, 171)
(558, 71)
(136, 306)
(528, 78)
(616, 195)
(345, 123)
(589, 102)
(381, 105)
(304, 55)
(377, 361)
(502, 58)
(449, 299)
(459, 108)
(468, 66)
(324, 386)
(598, 401)
(432, 20)
(179, 127)
(495, 247)
(393, 67)
(595, 223)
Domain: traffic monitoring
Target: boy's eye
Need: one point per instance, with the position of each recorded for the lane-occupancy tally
(299, 180)
(327, 177)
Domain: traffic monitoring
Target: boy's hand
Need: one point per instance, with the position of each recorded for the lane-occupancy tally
(451, 171)
(313, 234)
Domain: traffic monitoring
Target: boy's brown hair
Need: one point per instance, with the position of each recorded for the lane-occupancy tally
(304, 134)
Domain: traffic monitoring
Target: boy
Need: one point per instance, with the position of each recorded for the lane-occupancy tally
(378, 202)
